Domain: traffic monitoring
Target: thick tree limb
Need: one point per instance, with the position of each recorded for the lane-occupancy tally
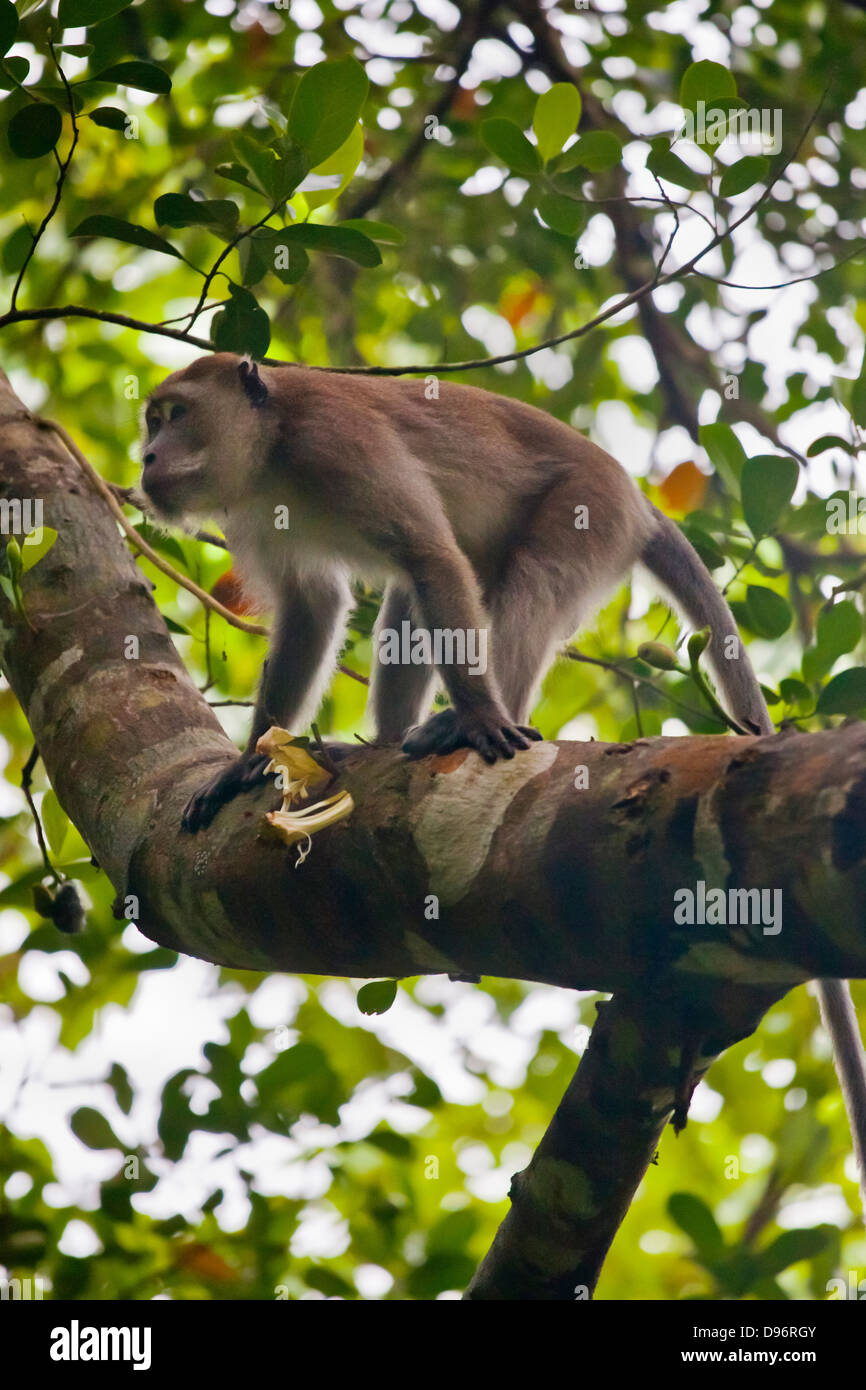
(534, 879)
(524, 870)
(646, 1054)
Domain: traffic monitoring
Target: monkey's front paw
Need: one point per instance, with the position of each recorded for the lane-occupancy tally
(489, 732)
(244, 773)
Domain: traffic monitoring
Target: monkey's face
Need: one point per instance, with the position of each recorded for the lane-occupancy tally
(181, 455)
(202, 432)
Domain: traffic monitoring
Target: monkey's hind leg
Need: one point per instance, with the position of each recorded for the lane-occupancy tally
(553, 578)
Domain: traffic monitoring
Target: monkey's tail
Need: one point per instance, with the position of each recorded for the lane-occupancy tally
(677, 566)
(840, 1019)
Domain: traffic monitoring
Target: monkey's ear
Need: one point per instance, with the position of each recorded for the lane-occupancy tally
(255, 389)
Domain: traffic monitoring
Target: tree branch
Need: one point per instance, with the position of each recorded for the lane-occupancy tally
(439, 854)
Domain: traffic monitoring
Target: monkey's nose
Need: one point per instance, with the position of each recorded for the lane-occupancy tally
(149, 458)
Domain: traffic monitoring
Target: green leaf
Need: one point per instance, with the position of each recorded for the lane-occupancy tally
(146, 77)
(180, 210)
(703, 544)
(829, 441)
(275, 172)
(335, 241)
(693, 1216)
(377, 996)
(557, 113)
(751, 169)
(507, 141)
(120, 1085)
(32, 552)
(596, 150)
(769, 614)
(129, 232)
(34, 130)
(766, 487)
(726, 453)
(845, 694)
(858, 396)
(796, 692)
(55, 821)
(15, 250)
(111, 117)
(8, 25)
(448, 1270)
(287, 258)
(705, 81)
(236, 172)
(791, 1247)
(329, 1282)
(656, 654)
(561, 213)
(453, 1231)
(254, 256)
(340, 165)
(93, 1129)
(397, 1145)
(17, 69)
(75, 14)
(376, 231)
(662, 162)
(291, 167)
(840, 628)
(242, 326)
(327, 103)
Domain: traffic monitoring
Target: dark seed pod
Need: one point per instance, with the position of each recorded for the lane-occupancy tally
(43, 901)
(67, 912)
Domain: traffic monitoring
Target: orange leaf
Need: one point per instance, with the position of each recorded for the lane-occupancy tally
(683, 489)
(463, 107)
(206, 1263)
(515, 304)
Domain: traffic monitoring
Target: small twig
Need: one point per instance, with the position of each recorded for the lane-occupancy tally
(574, 655)
(235, 241)
(742, 565)
(355, 675)
(783, 284)
(26, 782)
(63, 169)
(128, 496)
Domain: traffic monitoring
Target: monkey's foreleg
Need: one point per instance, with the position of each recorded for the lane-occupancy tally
(300, 663)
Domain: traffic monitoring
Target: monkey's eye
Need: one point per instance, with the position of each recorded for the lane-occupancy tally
(177, 412)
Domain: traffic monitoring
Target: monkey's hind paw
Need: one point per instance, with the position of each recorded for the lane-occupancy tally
(242, 775)
(490, 733)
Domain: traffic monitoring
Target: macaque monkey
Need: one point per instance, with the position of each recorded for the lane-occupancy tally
(479, 512)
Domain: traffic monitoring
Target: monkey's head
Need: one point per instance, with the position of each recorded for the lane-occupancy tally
(204, 431)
